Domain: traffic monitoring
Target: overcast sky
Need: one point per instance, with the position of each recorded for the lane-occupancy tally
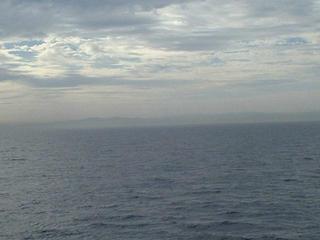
(149, 58)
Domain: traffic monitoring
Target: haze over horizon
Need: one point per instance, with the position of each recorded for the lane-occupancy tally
(65, 60)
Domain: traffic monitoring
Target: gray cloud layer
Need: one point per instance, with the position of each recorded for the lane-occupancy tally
(190, 50)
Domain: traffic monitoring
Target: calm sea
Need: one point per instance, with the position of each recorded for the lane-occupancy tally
(250, 181)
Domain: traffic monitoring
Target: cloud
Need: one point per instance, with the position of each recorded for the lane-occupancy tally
(75, 80)
(31, 18)
(282, 8)
(293, 41)
(193, 48)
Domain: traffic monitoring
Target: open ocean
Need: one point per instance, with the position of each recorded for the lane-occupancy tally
(249, 181)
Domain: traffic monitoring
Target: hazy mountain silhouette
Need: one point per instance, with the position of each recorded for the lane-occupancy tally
(225, 118)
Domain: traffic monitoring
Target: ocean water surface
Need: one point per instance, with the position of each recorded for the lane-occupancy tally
(249, 181)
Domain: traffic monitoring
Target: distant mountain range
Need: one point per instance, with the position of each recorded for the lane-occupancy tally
(226, 118)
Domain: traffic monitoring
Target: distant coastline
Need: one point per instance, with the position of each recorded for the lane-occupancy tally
(225, 118)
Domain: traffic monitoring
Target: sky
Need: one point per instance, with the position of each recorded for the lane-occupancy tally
(75, 59)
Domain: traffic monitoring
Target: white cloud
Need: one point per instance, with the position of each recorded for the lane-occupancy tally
(149, 49)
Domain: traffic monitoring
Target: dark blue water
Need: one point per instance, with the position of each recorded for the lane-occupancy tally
(258, 181)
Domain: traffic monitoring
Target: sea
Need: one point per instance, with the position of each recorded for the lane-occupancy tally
(221, 182)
